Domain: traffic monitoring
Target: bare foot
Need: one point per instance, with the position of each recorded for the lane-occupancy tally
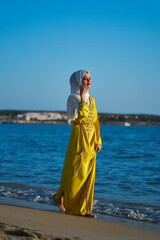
(60, 205)
(91, 215)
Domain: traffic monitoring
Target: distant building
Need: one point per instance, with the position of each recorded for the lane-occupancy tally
(33, 116)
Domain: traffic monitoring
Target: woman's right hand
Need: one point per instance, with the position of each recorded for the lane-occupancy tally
(83, 91)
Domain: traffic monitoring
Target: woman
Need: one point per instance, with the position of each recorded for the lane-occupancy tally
(75, 195)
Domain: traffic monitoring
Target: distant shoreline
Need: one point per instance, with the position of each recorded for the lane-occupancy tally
(60, 117)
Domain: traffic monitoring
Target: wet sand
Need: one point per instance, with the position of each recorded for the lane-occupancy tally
(25, 223)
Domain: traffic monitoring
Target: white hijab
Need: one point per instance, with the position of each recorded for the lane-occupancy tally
(75, 98)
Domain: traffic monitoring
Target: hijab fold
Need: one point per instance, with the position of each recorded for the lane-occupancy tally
(75, 98)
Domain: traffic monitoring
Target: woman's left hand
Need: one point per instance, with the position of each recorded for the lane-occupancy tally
(98, 149)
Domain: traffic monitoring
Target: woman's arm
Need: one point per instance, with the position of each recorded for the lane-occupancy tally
(83, 106)
(99, 140)
(76, 111)
(83, 110)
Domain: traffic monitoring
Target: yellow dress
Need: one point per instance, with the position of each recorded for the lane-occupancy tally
(78, 174)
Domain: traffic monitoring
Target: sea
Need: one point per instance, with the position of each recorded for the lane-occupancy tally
(127, 180)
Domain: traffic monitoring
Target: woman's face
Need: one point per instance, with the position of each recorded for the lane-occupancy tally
(86, 80)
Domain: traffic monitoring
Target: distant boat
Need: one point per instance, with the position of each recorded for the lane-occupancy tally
(127, 124)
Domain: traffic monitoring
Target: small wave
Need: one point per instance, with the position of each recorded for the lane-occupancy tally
(130, 211)
(38, 196)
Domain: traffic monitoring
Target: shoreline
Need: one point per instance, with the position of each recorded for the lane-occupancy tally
(104, 217)
(68, 226)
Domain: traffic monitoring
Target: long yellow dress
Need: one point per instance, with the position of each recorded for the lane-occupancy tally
(78, 174)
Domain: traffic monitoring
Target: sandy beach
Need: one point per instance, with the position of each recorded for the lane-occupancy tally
(25, 223)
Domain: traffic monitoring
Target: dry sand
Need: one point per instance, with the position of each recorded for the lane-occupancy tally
(25, 223)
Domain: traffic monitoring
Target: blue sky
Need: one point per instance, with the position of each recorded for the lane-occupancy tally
(43, 42)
